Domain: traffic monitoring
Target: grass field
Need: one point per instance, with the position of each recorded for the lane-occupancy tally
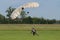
(29, 26)
(22, 32)
(26, 35)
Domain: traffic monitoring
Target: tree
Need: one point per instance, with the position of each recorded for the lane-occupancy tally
(23, 14)
(9, 11)
(36, 20)
(2, 18)
(27, 20)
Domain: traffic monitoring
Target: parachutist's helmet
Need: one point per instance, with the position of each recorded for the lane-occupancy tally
(22, 8)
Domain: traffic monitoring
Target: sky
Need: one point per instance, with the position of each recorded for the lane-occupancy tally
(48, 9)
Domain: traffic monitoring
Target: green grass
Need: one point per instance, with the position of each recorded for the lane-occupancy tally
(26, 35)
(22, 32)
(29, 26)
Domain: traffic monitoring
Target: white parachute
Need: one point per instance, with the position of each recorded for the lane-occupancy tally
(17, 12)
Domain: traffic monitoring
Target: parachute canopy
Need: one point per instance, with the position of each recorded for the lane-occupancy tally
(17, 12)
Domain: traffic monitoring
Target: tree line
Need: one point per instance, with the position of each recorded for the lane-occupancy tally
(24, 19)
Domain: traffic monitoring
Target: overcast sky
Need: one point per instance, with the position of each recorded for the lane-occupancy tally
(49, 9)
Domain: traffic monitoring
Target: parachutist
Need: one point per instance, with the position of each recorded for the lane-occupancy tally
(33, 31)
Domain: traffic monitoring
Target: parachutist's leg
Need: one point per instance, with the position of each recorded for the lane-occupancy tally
(33, 33)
